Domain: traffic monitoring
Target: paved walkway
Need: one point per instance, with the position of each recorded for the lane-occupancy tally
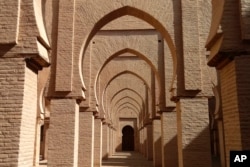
(127, 159)
(122, 159)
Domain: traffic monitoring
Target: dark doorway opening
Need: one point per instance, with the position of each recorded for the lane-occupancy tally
(127, 138)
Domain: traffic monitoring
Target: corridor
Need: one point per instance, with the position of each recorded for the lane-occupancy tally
(90, 83)
(128, 159)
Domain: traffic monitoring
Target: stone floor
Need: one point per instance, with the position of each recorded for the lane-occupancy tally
(127, 159)
(122, 159)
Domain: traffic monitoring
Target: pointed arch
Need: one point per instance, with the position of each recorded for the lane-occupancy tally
(127, 89)
(129, 100)
(136, 53)
(132, 11)
(120, 106)
(119, 74)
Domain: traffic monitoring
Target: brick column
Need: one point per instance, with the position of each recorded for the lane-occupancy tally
(221, 143)
(63, 133)
(169, 139)
(118, 141)
(157, 147)
(137, 142)
(140, 134)
(104, 141)
(145, 141)
(193, 132)
(86, 139)
(149, 142)
(142, 138)
(235, 95)
(37, 142)
(45, 139)
(111, 140)
(18, 106)
(98, 143)
(108, 138)
(114, 140)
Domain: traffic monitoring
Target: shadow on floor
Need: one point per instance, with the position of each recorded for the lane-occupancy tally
(129, 159)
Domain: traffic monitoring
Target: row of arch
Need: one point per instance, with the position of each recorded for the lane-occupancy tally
(130, 101)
